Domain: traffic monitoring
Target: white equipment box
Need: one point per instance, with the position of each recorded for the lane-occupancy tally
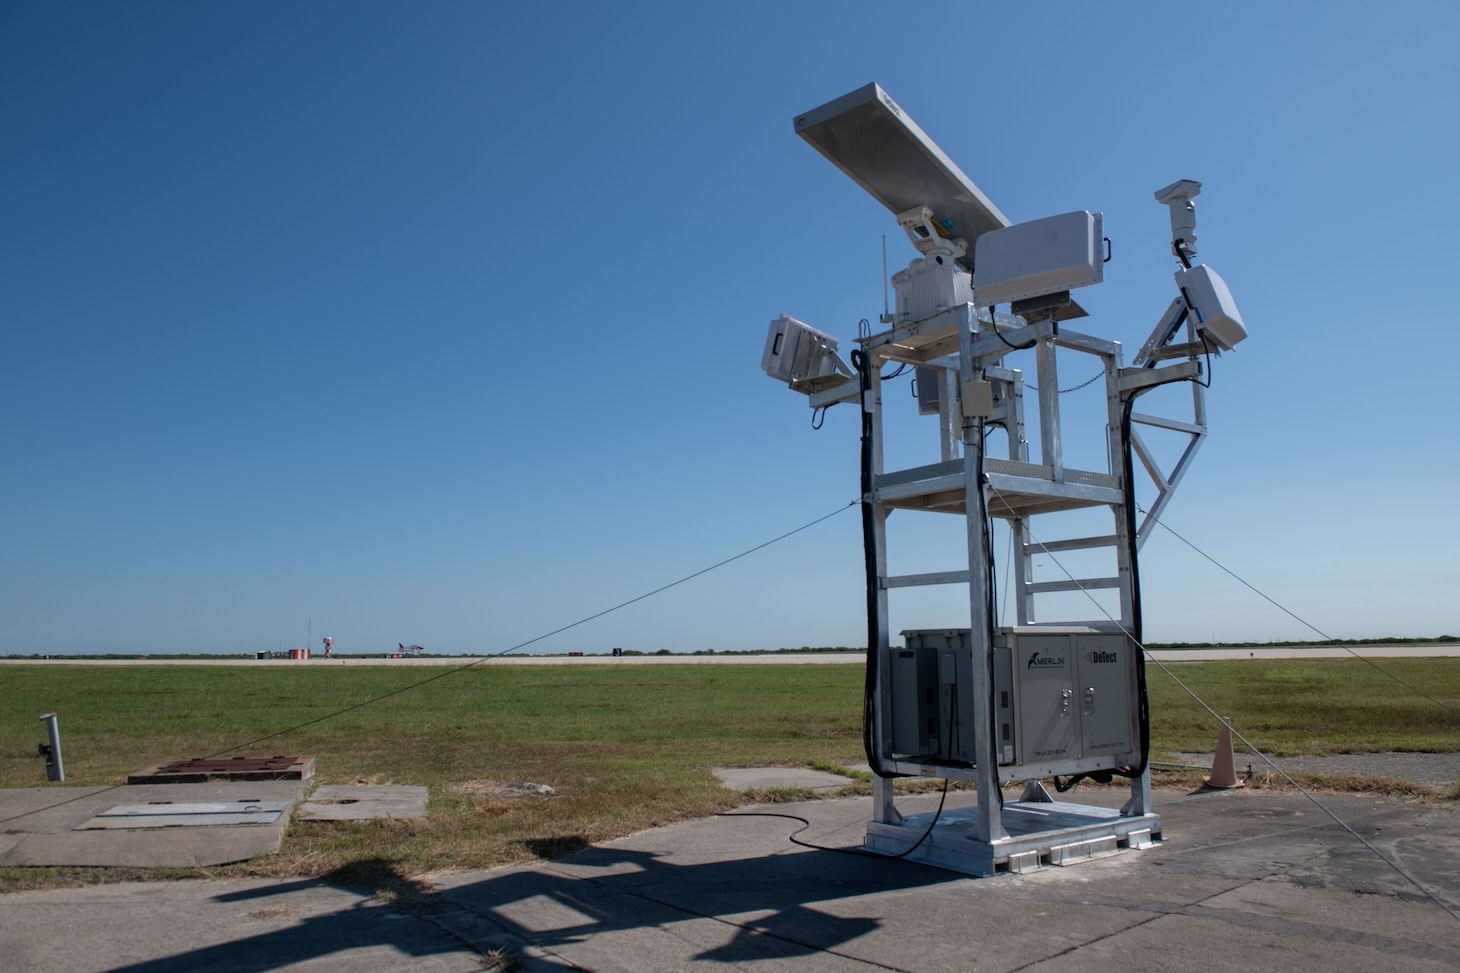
(1057, 253)
(930, 285)
(1208, 298)
(795, 351)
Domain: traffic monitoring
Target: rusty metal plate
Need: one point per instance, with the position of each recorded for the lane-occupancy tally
(200, 770)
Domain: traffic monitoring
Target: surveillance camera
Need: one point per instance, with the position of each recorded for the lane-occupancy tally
(1181, 190)
(1177, 198)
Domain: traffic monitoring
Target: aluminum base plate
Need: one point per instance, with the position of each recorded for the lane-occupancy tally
(1038, 834)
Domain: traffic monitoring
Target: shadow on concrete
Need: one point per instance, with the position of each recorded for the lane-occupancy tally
(368, 921)
(761, 908)
(764, 907)
(267, 891)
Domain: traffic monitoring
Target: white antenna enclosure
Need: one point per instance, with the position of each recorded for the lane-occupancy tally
(1057, 253)
(797, 352)
(1209, 300)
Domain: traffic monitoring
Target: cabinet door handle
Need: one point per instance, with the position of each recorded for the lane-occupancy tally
(1089, 700)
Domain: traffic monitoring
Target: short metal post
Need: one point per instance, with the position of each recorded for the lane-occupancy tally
(55, 769)
(1050, 447)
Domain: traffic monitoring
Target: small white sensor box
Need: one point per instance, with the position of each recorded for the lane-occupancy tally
(1211, 304)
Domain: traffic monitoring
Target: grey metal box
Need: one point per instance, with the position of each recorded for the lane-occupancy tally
(929, 384)
(1048, 718)
(1004, 704)
(943, 659)
(914, 681)
(1107, 691)
(1076, 695)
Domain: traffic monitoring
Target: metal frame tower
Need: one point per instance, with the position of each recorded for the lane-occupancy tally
(1050, 696)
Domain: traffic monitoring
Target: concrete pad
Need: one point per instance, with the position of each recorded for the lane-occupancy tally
(42, 826)
(239, 926)
(362, 802)
(770, 778)
(732, 891)
(1244, 880)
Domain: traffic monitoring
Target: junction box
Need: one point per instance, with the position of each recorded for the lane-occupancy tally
(1062, 696)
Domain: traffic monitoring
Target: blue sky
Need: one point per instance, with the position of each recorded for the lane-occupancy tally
(441, 323)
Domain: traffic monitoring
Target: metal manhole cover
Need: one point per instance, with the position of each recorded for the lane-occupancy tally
(170, 815)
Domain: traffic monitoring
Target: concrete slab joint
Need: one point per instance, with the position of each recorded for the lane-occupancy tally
(361, 802)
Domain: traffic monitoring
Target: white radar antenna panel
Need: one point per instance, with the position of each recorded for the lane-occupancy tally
(868, 137)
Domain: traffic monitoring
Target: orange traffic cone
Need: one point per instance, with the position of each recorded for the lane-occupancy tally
(1224, 771)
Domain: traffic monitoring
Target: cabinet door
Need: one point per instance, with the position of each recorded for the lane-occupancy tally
(1104, 694)
(1048, 718)
(914, 676)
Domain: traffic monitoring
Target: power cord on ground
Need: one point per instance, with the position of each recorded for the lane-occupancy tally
(862, 852)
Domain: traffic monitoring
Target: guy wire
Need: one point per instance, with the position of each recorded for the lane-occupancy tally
(475, 662)
(1235, 732)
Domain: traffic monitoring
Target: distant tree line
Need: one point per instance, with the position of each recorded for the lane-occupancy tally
(1443, 639)
(160, 656)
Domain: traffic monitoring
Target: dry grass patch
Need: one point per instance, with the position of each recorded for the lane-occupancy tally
(499, 788)
(1345, 784)
(277, 912)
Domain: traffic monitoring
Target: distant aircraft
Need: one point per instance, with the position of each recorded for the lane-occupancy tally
(413, 649)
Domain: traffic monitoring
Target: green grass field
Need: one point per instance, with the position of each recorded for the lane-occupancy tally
(1322, 706)
(625, 748)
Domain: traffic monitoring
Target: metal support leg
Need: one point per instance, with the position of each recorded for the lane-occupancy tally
(986, 762)
(882, 807)
(949, 421)
(1140, 796)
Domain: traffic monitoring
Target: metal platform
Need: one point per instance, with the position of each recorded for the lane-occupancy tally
(1038, 833)
(1017, 490)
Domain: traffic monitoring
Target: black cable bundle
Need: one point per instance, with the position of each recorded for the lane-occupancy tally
(1136, 632)
(869, 556)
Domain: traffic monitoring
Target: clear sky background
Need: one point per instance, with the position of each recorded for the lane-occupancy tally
(440, 323)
